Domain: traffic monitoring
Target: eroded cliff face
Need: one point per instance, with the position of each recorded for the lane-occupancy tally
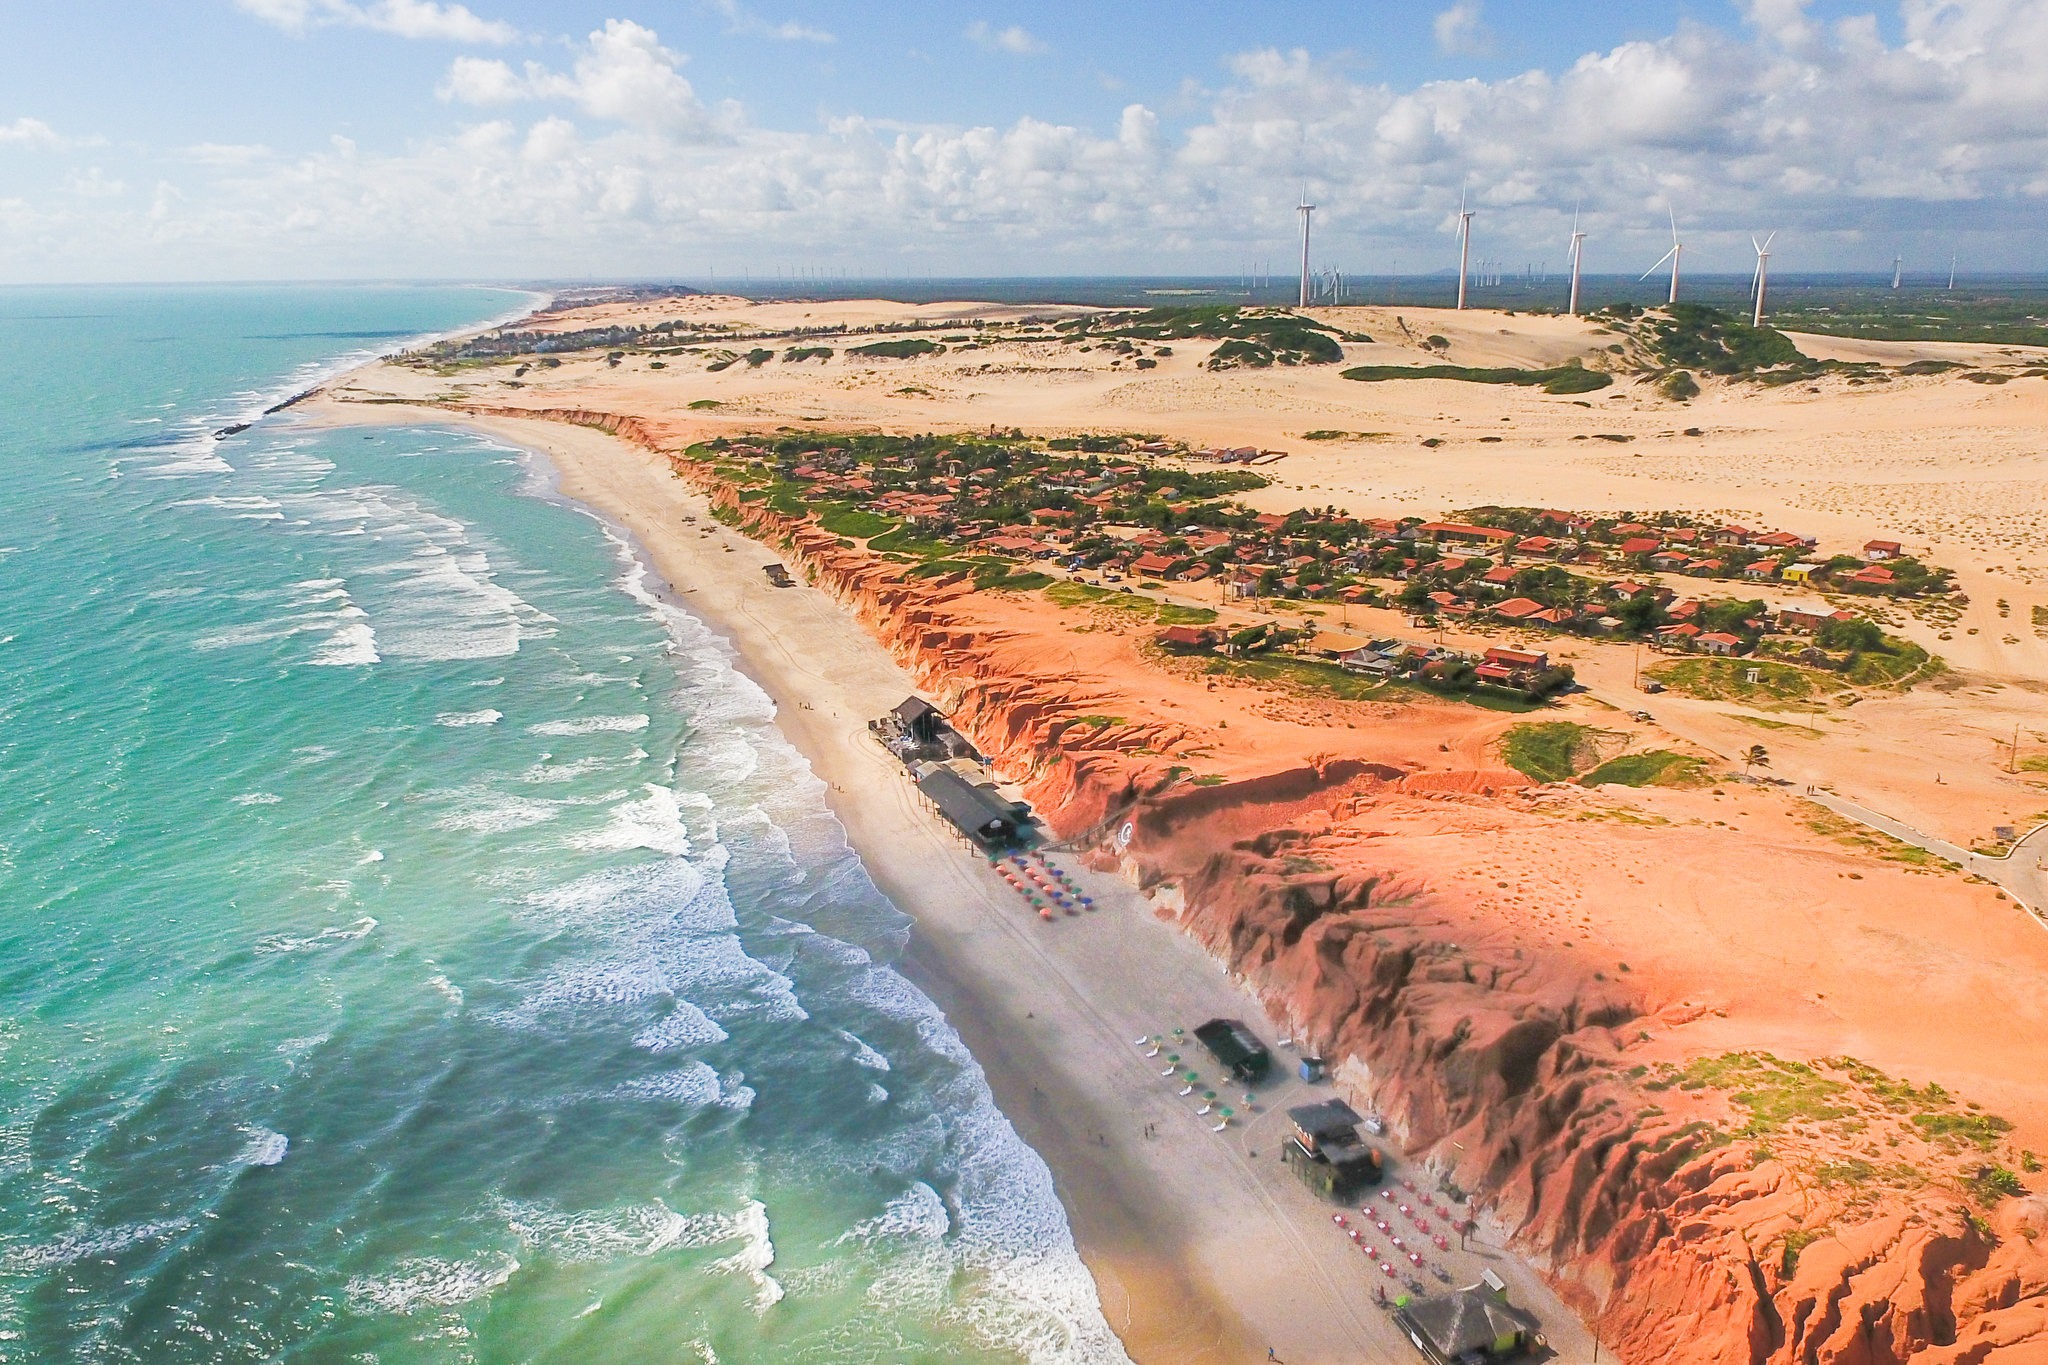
(1684, 1233)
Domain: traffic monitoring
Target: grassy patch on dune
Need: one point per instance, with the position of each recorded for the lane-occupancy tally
(1728, 680)
(1656, 768)
(1562, 379)
(1548, 751)
(1065, 593)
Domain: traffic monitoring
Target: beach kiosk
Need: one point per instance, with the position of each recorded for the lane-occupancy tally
(1469, 1326)
(988, 819)
(1325, 1152)
(1235, 1047)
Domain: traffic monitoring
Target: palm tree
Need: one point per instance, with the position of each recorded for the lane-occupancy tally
(1756, 756)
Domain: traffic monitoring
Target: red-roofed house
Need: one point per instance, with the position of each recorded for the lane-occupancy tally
(1722, 643)
(1882, 549)
(1517, 609)
(1640, 545)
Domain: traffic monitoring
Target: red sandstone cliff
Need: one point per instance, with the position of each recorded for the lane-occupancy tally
(1682, 1239)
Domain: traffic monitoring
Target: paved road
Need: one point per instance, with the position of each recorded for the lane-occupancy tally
(2022, 873)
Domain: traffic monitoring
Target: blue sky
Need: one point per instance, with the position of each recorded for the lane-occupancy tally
(306, 138)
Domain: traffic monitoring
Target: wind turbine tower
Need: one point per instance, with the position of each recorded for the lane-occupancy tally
(1464, 248)
(1763, 275)
(1578, 249)
(1675, 255)
(1898, 270)
(1307, 211)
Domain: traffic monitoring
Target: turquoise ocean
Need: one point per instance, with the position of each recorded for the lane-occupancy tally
(417, 943)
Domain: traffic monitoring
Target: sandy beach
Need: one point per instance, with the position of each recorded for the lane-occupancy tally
(1202, 1246)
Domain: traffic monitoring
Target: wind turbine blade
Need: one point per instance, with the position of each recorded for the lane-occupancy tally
(1674, 222)
(1768, 240)
(1660, 264)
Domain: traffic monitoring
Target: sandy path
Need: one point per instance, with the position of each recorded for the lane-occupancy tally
(1202, 1247)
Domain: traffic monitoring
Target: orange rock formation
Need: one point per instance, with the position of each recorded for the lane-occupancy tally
(1682, 1234)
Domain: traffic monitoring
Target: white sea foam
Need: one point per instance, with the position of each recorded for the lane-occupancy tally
(263, 1148)
(592, 725)
(654, 823)
(352, 646)
(90, 1245)
(429, 1282)
(500, 815)
(448, 990)
(606, 1234)
(292, 943)
(753, 1259)
(257, 799)
(459, 719)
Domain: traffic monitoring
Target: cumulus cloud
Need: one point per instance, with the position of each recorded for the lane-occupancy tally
(1836, 133)
(623, 74)
(422, 19)
(1015, 39)
(1460, 29)
(29, 132)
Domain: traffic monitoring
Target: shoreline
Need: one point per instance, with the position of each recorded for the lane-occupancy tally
(1201, 1248)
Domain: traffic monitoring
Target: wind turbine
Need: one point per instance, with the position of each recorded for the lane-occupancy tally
(1578, 250)
(1675, 255)
(1763, 275)
(1464, 247)
(1898, 270)
(1306, 210)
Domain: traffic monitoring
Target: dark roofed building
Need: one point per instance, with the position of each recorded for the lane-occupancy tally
(980, 812)
(920, 720)
(1474, 1324)
(1325, 1151)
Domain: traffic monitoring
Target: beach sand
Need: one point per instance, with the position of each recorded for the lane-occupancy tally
(1203, 1248)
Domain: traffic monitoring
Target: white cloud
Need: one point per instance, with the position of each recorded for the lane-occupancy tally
(740, 19)
(30, 132)
(623, 74)
(422, 19)
(1014, 40)
(1834, 133)
(1460, 29)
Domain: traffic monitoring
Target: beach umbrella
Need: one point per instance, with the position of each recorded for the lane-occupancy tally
(1178, 1032)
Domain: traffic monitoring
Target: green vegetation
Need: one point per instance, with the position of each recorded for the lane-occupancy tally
(1994, 1183)
(908, 348)
(1253, 337)
(1728, 680)
(844, 519)
(1981, 1131)
(1796, 1241)
(1774, 1091)
(1069, 594)
(705, 404)
(1656, 768)
(1694, 336)
(1679, 386)
(798, 354)
(1563, 379)
(1548, 751)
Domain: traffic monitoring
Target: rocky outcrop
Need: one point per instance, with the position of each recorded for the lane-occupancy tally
(1680, 1235)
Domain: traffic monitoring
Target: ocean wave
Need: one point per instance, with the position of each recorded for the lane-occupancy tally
(257, 799)
(592, 725)
(90, 1245)
(459, 719)
(654, 823)
(292, 943)
(500, 815)
(429, 1282)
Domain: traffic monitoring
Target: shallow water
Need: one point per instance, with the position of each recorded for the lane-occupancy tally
(416, 941)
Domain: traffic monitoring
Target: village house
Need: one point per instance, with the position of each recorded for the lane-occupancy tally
(1722, 643)
(1876, 550)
